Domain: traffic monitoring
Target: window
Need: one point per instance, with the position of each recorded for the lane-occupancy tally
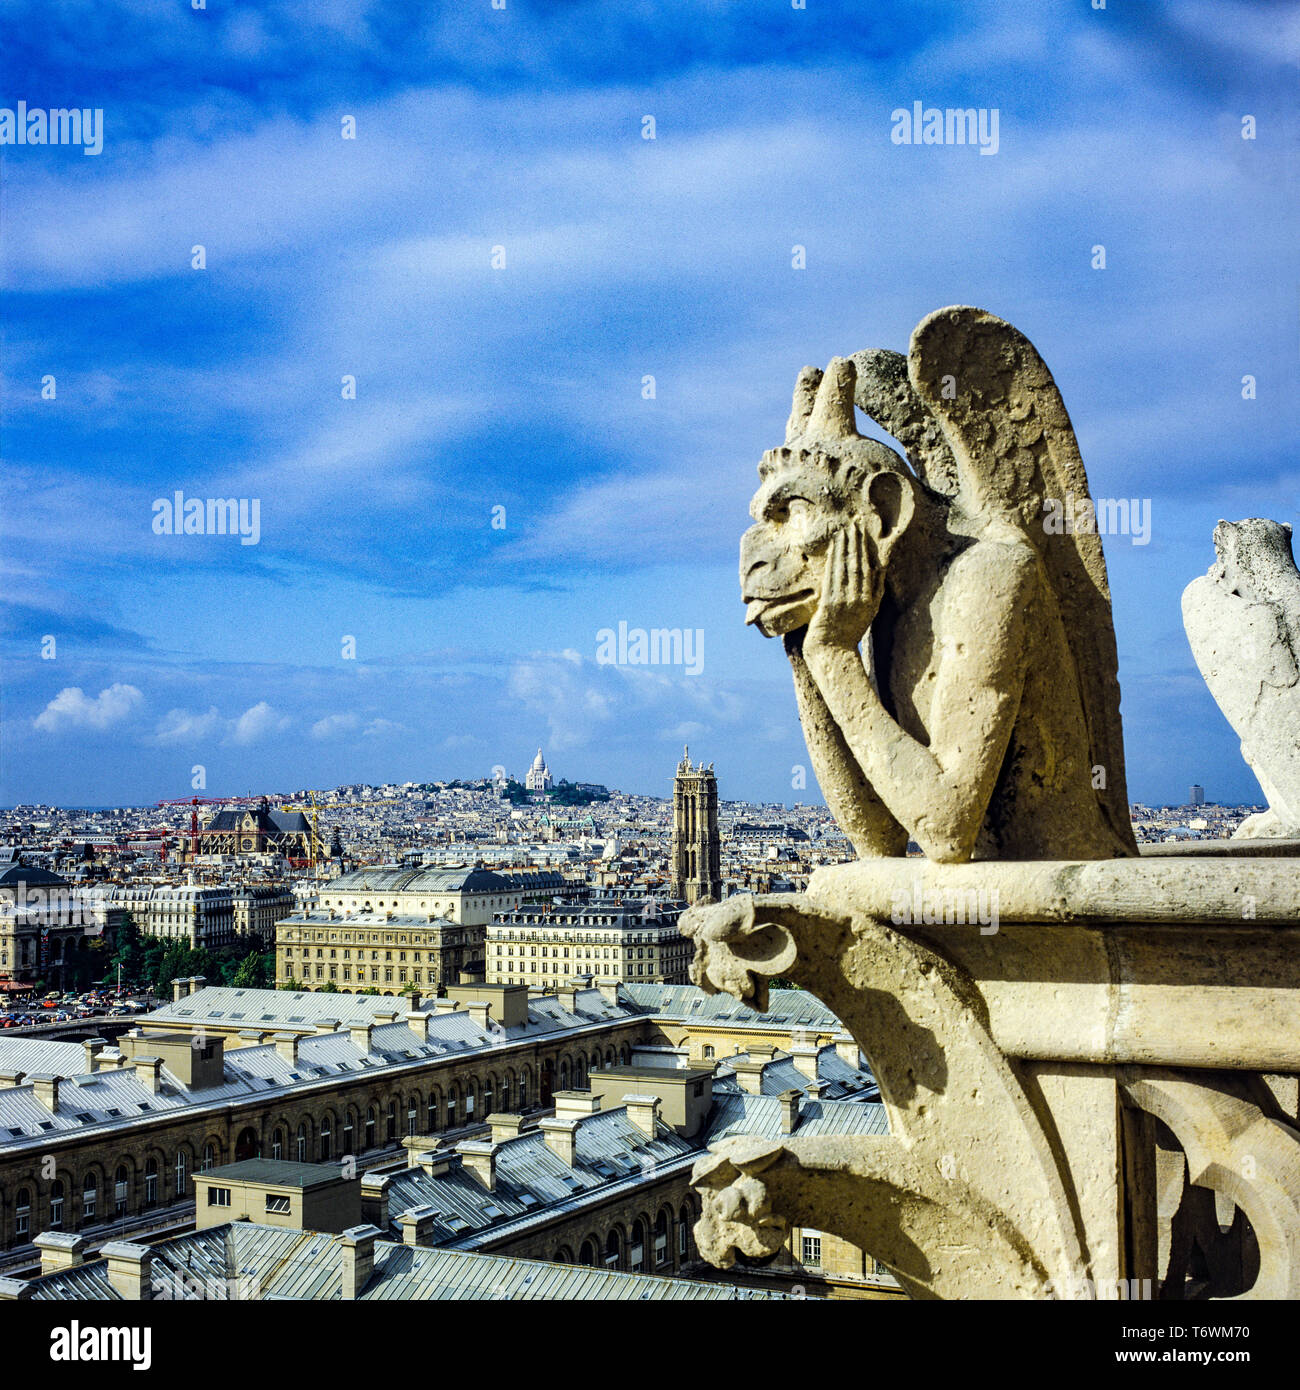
(412, 1115)
(390, 1131)
(277, 1204)
(180, 1172)
(209, 1159)
(277, 1144)
(370, 1128)
(218, 1196)
(325, 1134)
(121, 1184)
(301, 1143)
(56, 1205)
(89, 1200)
(812, 1249)
(151, 1182)
(22, 1212)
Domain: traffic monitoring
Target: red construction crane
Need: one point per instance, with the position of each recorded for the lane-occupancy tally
(197, 801)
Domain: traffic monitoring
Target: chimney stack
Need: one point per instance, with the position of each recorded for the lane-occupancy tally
(804, 1056)
(46, 1089)
(749, 1077)
(418, 1225)
(327, 1025)
(481, 1160)
(148, 1071)
(361, 1034)
(60, 1250)
(374, 1199)
(128, 1269)
(286, 1046)
(574, 1105)
(789, 1111)
(418, 1023)
(609, 991)
(445, 1004)
(358, 1247)
(196, 983)
(846, 1049)
(10, 1079)
(178, 989)
(561, 1138)
(505, 1126)
(643, 1111)
(479, 1009)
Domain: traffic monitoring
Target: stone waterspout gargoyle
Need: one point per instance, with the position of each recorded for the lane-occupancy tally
(1243, 623)
(955, 669)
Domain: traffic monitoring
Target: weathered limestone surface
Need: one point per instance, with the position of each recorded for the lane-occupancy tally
(1243, 623)
(1090, 1059)
(981, 716)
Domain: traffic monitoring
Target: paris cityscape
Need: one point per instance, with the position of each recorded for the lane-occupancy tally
(651, 653)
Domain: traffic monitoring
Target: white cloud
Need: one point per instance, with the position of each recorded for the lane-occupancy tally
(383, 728)
(71, 708)
(333, 725)
(256, 723)
(180, 726)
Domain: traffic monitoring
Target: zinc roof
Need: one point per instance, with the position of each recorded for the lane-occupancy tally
(262, 1262)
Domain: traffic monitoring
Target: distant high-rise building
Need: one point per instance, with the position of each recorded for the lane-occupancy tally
(1196, 796)
(539, 775)
(696, 860)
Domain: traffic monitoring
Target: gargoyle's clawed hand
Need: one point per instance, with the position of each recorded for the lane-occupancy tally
(737, 1214)
(734, 951)
(851, 592)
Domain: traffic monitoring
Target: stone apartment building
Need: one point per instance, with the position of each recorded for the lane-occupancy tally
(46, 927)
(393, 929)
(625, 939)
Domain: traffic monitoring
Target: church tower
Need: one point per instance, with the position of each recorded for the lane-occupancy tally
(696, 862)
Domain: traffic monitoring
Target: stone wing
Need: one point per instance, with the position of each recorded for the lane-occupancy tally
(1015, 453)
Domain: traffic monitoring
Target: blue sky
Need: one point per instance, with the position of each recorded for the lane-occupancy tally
(521, 387)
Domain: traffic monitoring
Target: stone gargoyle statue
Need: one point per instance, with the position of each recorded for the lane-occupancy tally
(982, 719)
(955, 670)
(1242, 620)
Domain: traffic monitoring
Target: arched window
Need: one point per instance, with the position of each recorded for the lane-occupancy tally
(22, 1212)
(325, 1135)
(469, 1102)
(661, 1238)
(524, 1080)
(121, 1189)
(636, 1251)
(683, 1232)
(277, 1143)
(370, 1128)
(150, 1182)
(451, 1109)
(301, 1143)
(209, 1159)
(611, 1250)
(412, 1114)
(487, 1097)
(390, 1122)
(56, 1205)
(710, 1052)
(89, 1197)
(181, 1173)
(587, 1255)
(347, 1130)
